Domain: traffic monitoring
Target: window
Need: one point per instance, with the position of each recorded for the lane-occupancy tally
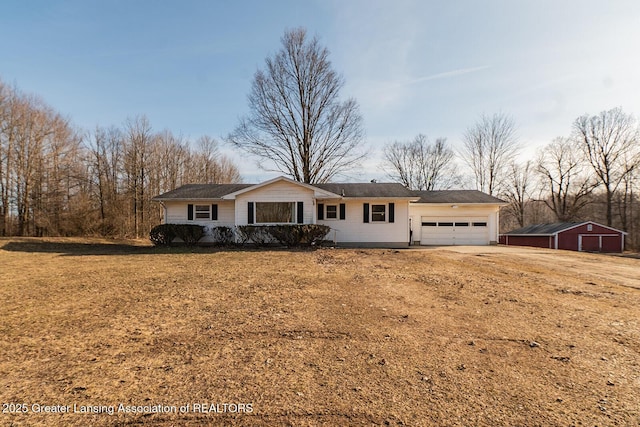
(378, 213)
(332, 212)
(275, 212)
(203, 211)
(479, 224)
(462, 224)
(589, 227)
(429, 224)
(445, 224)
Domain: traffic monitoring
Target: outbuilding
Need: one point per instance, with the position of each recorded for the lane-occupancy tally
(574, 236)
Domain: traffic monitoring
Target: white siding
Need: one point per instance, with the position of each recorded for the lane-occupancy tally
(279, 191)
(176, 213)
(351, 231)
(354, 230)
(419, 210)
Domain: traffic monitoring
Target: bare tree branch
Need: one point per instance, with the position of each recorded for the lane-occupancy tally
(610, 143)
(566, 185)
(489, 146)
(297, 125)
(420, 165)
(518, 189)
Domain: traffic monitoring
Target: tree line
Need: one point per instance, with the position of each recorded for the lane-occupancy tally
(56, 180)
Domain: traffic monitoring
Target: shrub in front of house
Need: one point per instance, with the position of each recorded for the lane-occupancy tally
(254, 234)
(314, 234)
(190, 234)
(290, 235)
(164, 234)
(223, 236)
(293, 235)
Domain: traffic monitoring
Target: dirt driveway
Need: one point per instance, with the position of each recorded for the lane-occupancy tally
(617, 269)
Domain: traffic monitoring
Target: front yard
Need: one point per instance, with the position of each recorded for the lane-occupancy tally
(122, 334)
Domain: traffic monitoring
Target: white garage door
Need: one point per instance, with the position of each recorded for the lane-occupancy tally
(454, 231)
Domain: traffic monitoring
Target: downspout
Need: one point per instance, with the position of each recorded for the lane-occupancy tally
(164, 213)
(410, 232)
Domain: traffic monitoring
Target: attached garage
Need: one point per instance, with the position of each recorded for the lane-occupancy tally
(574, 236)
(454, 231)
(454, 217)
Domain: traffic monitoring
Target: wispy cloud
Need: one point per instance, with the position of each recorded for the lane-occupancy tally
(446, 74)
(383, 94)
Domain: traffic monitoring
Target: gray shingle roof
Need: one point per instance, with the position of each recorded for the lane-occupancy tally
(544, 229)
(201, 191)
(367, 189)
(216, 191)
(455, 196)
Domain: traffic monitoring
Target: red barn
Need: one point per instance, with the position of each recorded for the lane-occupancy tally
(574, 236)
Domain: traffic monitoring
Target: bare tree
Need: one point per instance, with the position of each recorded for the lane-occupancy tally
(6, 95)
(212, 166)
(565, 184)
(420, 165)
(171, 156)
(104, 150)
(610, 143)
(137, 147)
(518, 189)
(489, 146)
(227, 171)
(624, 202)
(58, 179)
(297, 124)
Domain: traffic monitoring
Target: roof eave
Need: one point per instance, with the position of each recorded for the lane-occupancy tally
(463, 203)
(529, 235)
(184, 199)
(410, 199)
(316, 190)
(580, 224)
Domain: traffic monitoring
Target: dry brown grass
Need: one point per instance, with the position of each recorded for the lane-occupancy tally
(326, 337)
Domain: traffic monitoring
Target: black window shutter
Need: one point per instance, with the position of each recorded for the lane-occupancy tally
(300, 212)
(365, 213)
(190, 212)
(250, 213)
(320, 211)
(392, 213)
(343, 211)
(214, 212)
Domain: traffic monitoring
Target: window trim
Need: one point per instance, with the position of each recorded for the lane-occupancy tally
(292, 220)
(197, 211)
(388, 213)
(334, 213)
(384, 212)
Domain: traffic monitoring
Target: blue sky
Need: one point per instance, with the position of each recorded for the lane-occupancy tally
(414, 66)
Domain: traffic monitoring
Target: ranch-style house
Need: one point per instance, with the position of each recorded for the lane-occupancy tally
(360, 214)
